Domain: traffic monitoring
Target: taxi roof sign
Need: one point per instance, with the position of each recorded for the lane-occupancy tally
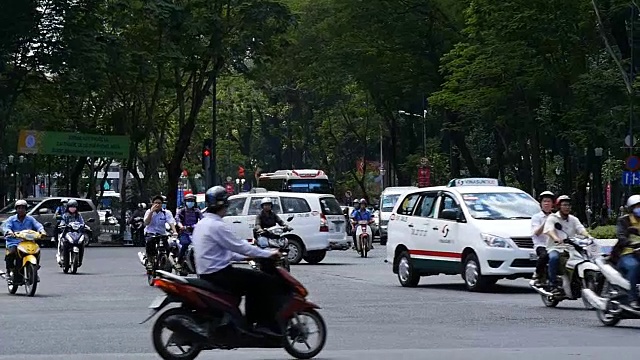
(474, 182)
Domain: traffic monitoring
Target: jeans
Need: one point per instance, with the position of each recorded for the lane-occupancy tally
(543, 259)
(554, 261)
(185, 241)
(10, 258)
(630, 265)
(262, 292)
(262, 241)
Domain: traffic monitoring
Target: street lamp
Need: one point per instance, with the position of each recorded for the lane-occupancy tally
(488, 160)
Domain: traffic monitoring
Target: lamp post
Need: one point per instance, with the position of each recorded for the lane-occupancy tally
(597, 198)
(558, 172)
(488, 161)
(19, 178)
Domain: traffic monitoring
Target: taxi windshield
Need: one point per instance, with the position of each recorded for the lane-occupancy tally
(501, 206)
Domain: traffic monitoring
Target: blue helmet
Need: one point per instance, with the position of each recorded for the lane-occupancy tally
(216, 197)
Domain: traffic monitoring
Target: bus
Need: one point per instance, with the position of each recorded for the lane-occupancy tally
(307, 181)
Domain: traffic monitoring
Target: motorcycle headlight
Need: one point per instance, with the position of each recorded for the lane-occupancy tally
(277, 231)
(495, 241)
(273, 243)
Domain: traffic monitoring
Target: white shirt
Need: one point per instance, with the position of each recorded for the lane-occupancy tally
(538, 220)
(215, 246)
(158, 219)
(570, 228)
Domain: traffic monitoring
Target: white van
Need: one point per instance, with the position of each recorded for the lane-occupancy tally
(388, 199)
(318, 225)
(472, 227)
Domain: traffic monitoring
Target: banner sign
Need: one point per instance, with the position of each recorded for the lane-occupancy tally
(73, 144)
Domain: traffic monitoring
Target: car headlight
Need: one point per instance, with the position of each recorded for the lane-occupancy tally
(495, 241)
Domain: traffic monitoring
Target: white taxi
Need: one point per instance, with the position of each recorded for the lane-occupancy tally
(318, 222)
(472, 227)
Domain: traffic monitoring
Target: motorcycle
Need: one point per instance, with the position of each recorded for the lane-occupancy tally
(137, 231)
(28, 253)
(577, 272)
(183, 269)
(208, 318)
(363, 236)
(161, 261)
(275, 240)
(71, 243)
(611, 303)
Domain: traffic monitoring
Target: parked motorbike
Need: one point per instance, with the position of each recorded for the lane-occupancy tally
(209, 318)
(611, 303)
(137, 231)
(576, 270)
(363, 236)
(72, 240)
(28, 263)
(275, 240)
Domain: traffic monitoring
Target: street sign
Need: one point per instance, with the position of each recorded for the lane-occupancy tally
(632, 163)
(424, 177)
(631, 178)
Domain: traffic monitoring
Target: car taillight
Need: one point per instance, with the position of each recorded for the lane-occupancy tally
(324, 225)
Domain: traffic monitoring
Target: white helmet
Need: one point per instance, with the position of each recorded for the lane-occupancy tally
(633, 201)
(266, 200)
(21, 203)
(64, 201)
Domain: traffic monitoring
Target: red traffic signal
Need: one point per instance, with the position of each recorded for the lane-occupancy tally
(240, 171)
(206, 152)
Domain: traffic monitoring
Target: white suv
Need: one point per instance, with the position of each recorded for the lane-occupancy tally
(318, 224)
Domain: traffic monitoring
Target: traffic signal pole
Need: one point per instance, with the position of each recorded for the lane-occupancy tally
(214, 133)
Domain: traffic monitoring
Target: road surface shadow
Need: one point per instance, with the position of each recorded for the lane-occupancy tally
(496, 289)
(324, 264)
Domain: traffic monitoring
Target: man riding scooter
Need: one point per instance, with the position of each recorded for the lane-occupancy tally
(361, 214)
(539, 238)
(622, 254)
(571, 227)
(186, 219)
(266, 219)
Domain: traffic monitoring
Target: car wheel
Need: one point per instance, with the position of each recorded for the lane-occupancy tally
(406, 274)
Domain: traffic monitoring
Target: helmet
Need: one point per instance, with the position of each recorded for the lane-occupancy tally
(562, 198)
(546, 194)
(64, 201)
(363, 201)
(21, 203)
(266, 200)
(356, 201)
(189, 197)
(72, 203)
(164, 198)
(633, 201)
(216, 197)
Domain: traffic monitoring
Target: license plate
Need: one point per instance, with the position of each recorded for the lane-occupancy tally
(76, 249)
(533, 257)
(157, 302)
(338, 228)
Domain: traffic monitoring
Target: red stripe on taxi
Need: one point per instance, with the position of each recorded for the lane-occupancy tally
(436, 253)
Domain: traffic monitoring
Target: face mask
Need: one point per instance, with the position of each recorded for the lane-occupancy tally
(190, 204)
(164, 206)
(636, 212)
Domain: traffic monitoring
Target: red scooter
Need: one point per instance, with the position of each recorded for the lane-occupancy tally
(209, 318)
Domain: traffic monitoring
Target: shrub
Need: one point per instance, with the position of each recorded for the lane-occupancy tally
(603, 232)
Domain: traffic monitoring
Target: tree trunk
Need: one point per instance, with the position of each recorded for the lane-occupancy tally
(76, 173)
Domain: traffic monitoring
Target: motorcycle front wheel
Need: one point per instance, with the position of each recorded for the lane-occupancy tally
(298, 332)
(30, 279)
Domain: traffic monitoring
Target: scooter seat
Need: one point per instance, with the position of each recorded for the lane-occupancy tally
(205, 285)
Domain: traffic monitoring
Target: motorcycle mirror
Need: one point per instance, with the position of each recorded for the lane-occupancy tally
(290, 218)
(558, 226)
(594, 225)
(91, 220)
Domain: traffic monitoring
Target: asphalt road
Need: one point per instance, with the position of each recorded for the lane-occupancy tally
(95, 315)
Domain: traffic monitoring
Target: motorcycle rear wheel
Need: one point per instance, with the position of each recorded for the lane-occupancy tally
(553, 302)
(161, 346)
(289, 329)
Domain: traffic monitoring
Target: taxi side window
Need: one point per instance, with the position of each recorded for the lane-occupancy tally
(426, 207)
(448, 202)
(408, 204)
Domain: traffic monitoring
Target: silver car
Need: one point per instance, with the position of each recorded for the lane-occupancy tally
(43, 209)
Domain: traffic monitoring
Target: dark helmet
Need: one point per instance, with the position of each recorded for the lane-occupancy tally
(216, 198)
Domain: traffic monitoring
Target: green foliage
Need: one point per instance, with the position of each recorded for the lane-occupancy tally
(604, 232)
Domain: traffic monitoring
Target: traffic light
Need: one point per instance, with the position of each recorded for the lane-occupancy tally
(240, 171)
(206, 153)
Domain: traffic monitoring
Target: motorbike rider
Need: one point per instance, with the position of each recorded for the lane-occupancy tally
(71, 215)
(18, 222)
(154, 220)
(362, 213)
(539, 238)
(571, 227)
(266, 219)
(216, 247)
(137, 213)
(186, 219)
(622, 254)
(57, 215)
